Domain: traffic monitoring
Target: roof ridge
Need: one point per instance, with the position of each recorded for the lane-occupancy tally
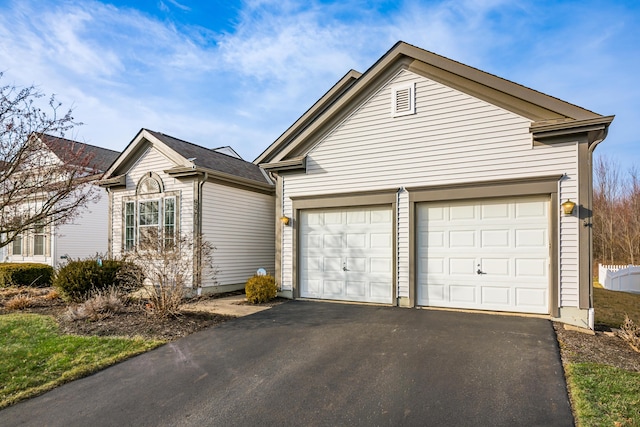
(78, 142)
(201, 146)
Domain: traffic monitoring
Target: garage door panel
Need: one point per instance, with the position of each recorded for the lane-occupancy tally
(532, 209)
(462, 239)
(495, 211)
(496, 266)
(508, 240)
(495, 238)
(356, 289)
(531, 297)
(457, 213)
(462, 293)
(381, 240)
(496, 296)
(462, 266)
(356, 217)
(381, 216)
(358, 241)
(356, 254)
(528, 267)
(333, 287)
(357, 265)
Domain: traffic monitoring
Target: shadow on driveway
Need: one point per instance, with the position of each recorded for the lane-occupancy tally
(316, 363)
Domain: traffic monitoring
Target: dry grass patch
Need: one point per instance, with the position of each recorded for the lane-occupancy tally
(612, 306)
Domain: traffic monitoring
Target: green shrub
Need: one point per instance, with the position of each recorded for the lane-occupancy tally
(78, 279)
(261, 289)
(27, 274)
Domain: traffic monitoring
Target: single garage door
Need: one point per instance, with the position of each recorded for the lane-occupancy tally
(346, 254)
(488, 254)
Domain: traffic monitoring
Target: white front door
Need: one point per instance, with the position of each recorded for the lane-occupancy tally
(488, 254)
(347, 254)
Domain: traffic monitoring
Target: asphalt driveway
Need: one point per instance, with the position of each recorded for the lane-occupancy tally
(314, 363)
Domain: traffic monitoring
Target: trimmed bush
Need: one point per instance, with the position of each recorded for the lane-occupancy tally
(78, 279)
(261, 289)
(27, 274)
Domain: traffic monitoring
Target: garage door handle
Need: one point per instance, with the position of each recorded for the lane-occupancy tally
(345, 269)
(480, 271)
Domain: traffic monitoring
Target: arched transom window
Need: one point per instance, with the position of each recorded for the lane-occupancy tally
(151, 216)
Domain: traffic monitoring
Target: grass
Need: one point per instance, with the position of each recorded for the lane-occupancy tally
(603, 395)
(611, 306)
(36, 357)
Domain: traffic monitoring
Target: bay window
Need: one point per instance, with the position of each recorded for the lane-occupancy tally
(150, 218)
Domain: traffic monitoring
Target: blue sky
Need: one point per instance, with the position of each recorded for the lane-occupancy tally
(240, 72)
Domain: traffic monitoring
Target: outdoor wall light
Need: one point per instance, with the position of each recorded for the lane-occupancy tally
(568, 206)
(285, 220)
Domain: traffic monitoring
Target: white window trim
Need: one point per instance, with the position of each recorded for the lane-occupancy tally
(136, 201)
(412, 99)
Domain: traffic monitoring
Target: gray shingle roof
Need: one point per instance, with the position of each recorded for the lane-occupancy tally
(207, 158)
(99, 158)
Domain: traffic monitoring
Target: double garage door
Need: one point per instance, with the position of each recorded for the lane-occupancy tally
(488, 254)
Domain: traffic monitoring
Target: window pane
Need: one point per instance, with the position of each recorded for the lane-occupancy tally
(169, 220)
(129, 226)
(17, 245)
(38, 244)
(149, 213)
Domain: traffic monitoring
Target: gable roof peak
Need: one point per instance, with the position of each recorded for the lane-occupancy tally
(329, 110)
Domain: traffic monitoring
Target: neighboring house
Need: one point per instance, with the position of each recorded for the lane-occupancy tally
(164, 186)
(82, 237)
(427, 183)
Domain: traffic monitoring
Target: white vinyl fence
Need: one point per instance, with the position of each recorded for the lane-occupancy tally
(620, 277)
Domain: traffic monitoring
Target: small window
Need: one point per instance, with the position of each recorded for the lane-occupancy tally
(129, 226)
(403, 99)
(39, 239)
(16, 246)
(169, 221)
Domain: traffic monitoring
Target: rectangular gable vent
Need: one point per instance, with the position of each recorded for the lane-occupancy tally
(403, 99)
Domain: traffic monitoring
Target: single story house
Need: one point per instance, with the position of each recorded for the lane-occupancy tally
(55, 243)
(164, 186)
(424, 182)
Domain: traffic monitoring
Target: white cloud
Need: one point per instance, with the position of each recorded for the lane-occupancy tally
(124, 69)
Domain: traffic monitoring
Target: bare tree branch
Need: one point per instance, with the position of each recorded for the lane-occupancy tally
(44, 178)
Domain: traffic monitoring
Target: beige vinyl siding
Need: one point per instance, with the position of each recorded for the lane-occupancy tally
(241, 225)
(72, 239)
(287, 241)
(152, 161)
(452, 138)
(402, 225)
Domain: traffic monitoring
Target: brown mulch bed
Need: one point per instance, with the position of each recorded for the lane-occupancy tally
(604, 347)
(131, 321)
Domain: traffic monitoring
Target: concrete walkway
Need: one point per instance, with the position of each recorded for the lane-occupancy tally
(234, 305)
(306, 363)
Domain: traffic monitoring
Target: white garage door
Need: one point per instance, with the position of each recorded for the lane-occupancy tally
(486, 255)
(346, 254)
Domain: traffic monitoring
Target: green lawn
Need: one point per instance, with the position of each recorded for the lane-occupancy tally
(603, 395)
(36, 357)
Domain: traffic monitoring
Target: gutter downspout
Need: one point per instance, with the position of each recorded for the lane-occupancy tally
(594, 138)
(198, 236)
